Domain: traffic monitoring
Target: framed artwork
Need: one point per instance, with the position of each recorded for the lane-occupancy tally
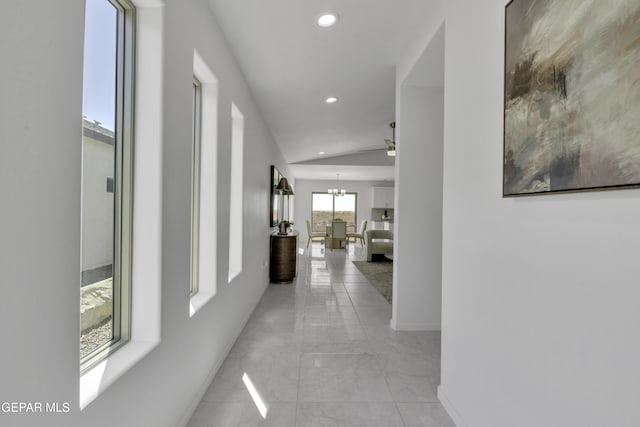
(571, 96)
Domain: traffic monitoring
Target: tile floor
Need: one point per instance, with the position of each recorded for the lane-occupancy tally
(320, 352)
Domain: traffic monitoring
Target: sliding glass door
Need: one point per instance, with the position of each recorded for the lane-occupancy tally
(326, 207)
(344, 208)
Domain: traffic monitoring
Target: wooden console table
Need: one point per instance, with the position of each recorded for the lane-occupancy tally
(283, 256)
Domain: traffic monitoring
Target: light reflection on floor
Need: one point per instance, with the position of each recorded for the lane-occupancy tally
(257, 399)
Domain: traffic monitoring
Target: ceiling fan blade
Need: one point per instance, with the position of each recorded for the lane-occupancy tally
(370, 149)
(390, 143)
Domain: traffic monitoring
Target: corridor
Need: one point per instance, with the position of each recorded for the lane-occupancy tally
(320, 352)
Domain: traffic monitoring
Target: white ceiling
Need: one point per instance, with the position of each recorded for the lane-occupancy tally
(292, 65)
(347, 173)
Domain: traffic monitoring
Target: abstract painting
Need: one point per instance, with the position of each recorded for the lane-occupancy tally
(572, 96)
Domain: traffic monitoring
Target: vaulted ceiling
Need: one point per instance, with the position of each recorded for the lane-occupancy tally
(293, 65)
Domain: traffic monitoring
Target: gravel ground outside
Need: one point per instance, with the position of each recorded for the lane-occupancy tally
(93, 338)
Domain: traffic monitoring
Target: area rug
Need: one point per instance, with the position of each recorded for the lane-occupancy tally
(380, 275)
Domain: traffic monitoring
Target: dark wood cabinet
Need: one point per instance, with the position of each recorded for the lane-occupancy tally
(284, 252)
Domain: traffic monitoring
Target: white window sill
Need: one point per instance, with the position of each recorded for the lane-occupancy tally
(199, 300)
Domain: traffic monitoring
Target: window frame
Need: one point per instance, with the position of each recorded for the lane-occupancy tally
(123, 185)
(333, 206)
(236, 189)
(196, 164)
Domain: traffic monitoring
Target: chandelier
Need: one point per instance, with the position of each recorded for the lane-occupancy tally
(337, 192)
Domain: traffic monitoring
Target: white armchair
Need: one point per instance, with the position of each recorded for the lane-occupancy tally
(379, 242)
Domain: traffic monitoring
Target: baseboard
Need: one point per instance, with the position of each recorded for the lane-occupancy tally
(202, 390)
(191, 409)
(448, 406)
(400, 326)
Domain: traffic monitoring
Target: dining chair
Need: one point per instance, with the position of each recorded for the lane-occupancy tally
(338, 230)
(314, 234)
(359, 234)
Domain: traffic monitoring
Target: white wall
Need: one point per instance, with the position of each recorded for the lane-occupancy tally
(540, 294)
(302, 199)
(417, 281)
(97, 204)
(40, 144)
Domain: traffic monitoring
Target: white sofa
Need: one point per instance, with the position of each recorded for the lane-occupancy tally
(379, 242)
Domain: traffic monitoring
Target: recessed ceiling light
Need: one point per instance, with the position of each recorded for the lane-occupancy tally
(327, 20)
(322, 152)
(331, 100)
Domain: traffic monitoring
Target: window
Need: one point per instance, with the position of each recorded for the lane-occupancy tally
(327, 207)
(321, 211)
(236, 188)
(204, 210)
(109, 184)
(107, 147)
(141, 304)
(195, 186)
(345, 208)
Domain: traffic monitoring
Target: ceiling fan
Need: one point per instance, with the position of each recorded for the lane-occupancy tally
(391, 143)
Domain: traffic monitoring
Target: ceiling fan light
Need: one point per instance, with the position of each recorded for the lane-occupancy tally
(391, 152)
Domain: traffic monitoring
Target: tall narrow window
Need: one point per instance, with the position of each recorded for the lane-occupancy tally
(107, 148)
(204, 188)
(235, 213)
(195, 185)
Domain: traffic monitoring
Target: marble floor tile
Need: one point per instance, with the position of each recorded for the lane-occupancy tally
(327, 289)
(332, 333)
(344, 347)
(401, 341)
(374, 315)
(412, 388)
(415, 364)
(320, 352)
(313, 414)
(342, 378)
(322, 317)
(274, 322)
(328, 300)
(319, 277)
(260, 329)
(354, 276)
(424, 415)
(267, 343)
(367, 298)
(412, 377)
(245, 414)
(273, 375)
